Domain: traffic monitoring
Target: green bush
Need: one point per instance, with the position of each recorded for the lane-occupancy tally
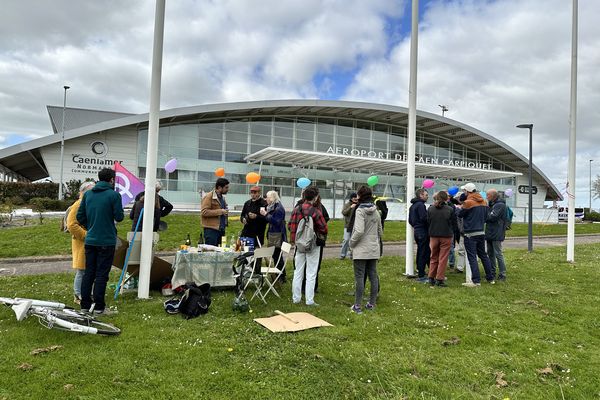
(28, 191)
(41, 204)
(15, 200)
(591, 216)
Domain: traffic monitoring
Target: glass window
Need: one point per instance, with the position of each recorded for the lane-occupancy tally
(187, 133)
(261, 127)
(283, 142)
(240, 137)
(183, 152)
(234, 157)
(211, 131)
(237, 126)
(304, 145)
(305, 135)
(443, 150)
(210, 155)
(260, 139)
(397, 144)
(236, 147)
(326, 125)
(211, 144)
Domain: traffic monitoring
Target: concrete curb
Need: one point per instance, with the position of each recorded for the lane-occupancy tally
(57, 258)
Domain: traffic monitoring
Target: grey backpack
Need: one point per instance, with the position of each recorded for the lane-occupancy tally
(306, 238)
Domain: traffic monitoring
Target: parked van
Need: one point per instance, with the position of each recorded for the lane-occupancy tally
(563, 214)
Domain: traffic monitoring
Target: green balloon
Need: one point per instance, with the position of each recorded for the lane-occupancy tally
(373, 180)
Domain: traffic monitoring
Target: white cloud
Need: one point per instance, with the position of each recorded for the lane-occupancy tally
(496, 64)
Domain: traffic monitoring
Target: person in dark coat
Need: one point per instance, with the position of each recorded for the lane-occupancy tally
(495, 229)
(163, 208)
(255, 223)
(442, 227)
(277, 234)
(417, 218)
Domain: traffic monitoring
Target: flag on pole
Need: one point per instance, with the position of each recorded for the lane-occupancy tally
(127, 184)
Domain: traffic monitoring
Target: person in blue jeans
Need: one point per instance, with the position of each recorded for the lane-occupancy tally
(99, 209)
(417, 218)
(347, 211)
(474, 212)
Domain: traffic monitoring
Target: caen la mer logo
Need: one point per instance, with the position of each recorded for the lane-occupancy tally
(99, 148)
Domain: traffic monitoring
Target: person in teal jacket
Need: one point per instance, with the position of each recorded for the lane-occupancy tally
(99, 209)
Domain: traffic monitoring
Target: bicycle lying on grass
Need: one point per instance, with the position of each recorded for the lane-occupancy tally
(59, 316)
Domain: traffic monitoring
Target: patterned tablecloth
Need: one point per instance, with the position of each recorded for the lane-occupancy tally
(212, 267)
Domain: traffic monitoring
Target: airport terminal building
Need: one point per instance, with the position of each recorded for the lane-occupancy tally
(336, 144)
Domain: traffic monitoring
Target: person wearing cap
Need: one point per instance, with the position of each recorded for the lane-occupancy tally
(347, 212)
(255, 223)
(417, 218)
(474, 212)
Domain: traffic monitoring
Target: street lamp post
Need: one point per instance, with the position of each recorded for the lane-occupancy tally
(444, 108)
(530, 208)
(590, 209)
(62, 145)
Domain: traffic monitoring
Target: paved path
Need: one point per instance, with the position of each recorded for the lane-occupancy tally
(47, 265)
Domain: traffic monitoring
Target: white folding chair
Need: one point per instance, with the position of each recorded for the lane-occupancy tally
(271, 273)
(259, 254)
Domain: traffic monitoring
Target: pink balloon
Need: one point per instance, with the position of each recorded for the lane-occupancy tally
(428, 183)
(171, 165)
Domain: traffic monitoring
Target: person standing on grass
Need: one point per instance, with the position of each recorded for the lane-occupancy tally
(308, 261)
(417, 218)
(214, 212)
(78, 233)
(366, 251)
(495, 229)
(474, 212)
(347, 211)
(442, 227)
(274, 214)
(100, 207)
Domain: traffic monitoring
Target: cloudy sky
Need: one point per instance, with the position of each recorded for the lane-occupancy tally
(495, 64)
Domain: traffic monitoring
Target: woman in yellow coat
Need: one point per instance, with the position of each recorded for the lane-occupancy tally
(78, 233)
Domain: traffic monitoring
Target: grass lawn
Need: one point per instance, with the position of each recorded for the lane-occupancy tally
(537, 336)
(46, 239)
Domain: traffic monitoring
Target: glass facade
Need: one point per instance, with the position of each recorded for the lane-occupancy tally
(202, 147)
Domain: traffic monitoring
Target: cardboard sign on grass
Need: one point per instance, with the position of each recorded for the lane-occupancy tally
(292, 322)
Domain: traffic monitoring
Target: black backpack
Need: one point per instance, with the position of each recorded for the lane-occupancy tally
(195, 300)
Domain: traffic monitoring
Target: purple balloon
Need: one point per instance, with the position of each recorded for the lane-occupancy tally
(171, 165)
(508, 192)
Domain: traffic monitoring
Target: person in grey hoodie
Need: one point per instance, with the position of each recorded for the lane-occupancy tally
(364, 242)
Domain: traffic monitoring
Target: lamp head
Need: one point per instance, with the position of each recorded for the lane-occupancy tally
(525, 126)
(67, 87)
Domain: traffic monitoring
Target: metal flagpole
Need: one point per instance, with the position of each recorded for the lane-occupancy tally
(412, 134)
(572, 142)
(152, 152)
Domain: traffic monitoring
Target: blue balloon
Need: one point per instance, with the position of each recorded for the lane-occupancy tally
(453, 190)
(303, 182)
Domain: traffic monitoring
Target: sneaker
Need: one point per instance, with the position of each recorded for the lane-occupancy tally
(342, 257)
(370, 306)
(356, 309)
(471, 284)
(492, 282)
(441, 283)
(312, 304)
(459, 271)
(431, 282)
(502, 278)
(423, 279)
(76, 299)
(106, 311)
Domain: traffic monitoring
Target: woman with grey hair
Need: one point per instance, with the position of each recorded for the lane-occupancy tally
(276, 234)
(78, 233)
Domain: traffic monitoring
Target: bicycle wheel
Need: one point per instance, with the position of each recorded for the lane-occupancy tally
(75, 321)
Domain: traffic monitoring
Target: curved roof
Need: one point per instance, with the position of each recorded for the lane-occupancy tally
(26, 160)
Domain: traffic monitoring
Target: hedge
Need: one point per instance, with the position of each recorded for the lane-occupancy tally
(45, 204)
(25, 191)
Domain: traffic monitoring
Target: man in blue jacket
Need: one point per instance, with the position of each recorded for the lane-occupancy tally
(495, 229)
(99, 208)
(474, 212)
(417, 218)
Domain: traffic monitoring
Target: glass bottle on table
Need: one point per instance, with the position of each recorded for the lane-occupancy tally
(188, 241)
(201, 239)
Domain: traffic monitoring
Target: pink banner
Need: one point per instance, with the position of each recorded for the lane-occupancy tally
(127, 184)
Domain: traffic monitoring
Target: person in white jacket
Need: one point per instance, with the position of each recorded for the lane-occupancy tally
(366, 250)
